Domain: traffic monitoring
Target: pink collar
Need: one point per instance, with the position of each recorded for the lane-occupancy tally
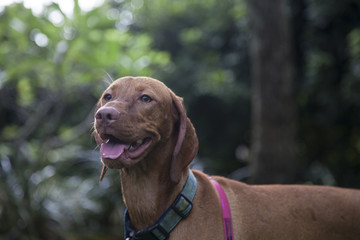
(226, 212)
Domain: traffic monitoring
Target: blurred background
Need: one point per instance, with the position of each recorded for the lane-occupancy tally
(272, 87)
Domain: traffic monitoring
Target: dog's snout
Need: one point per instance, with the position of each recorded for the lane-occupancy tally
(107, 115)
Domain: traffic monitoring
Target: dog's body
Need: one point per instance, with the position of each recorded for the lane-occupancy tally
(142, 129)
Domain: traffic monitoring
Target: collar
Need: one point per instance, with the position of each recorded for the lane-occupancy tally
(178, 211)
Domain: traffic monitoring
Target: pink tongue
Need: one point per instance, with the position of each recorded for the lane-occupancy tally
(112, 150)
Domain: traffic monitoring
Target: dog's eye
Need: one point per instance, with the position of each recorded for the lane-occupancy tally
(146, 98)
(107, 97)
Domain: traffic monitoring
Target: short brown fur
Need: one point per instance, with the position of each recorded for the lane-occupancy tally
(151, 182)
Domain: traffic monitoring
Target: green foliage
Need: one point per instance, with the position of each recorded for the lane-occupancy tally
(207, 42)
(53, 68)
(51, 74)
(328, 92)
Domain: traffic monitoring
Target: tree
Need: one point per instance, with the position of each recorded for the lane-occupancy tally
(273, 143)
(207, 43)
(51, 75)
(53, 68)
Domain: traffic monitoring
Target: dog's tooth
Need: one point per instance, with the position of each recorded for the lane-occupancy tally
(135, 144)
(107, 141)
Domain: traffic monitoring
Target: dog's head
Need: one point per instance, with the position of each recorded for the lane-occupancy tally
(140, 119)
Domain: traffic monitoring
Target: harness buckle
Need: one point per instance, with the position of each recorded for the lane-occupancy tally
(182, 206)
(160, 233)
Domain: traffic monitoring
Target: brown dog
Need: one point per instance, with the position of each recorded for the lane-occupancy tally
(143, 130)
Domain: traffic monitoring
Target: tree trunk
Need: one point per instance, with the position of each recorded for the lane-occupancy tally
(273, 143)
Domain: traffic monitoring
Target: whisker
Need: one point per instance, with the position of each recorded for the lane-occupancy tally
(109, 79)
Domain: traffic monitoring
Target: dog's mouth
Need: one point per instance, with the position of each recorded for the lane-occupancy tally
(114, 148)
(118, 154)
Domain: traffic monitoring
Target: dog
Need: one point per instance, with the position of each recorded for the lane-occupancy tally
(142, 129)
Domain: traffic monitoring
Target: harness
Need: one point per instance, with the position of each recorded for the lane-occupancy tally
(178, 211)
(226, 212)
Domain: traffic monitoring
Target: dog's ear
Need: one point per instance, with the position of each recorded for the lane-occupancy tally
(187, 144)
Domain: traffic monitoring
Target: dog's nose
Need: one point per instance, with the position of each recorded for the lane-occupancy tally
(107, 115)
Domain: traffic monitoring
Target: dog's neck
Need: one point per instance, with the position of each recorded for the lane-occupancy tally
(147, 195)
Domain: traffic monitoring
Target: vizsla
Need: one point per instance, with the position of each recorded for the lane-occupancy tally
(142, 129)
